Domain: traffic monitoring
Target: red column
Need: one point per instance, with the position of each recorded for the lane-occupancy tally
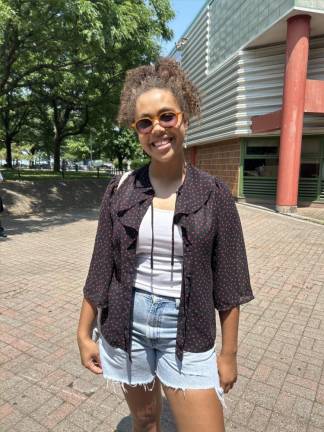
(298, 29)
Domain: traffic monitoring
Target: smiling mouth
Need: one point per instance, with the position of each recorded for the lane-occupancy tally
(162, 142)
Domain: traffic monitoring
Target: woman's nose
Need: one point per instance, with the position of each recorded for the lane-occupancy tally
(157, 128)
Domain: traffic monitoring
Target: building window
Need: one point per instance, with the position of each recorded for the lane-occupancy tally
(261, 158)
(309, 169)
(261, 167)
(311, 147)
(265, 148)
(310, 158)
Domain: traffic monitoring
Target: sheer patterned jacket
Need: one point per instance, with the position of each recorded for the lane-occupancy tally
(215, 270)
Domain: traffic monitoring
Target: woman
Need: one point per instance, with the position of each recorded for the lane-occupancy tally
(169, 250)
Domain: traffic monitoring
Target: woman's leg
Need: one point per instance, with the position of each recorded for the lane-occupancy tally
(196, 410)
(145, 405)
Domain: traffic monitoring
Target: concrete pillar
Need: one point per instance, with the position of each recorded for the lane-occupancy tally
(298, 29)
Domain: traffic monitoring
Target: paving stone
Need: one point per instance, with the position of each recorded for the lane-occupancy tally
(299, 390)
(84, 420)
(9, 417)
(57, 415)
(259, 419)
(67, 426)
(314, 429)
(317, 415)
(279, 422)
(43, 386)
(243, 412)
(276, 377)
(261, 394)
(230, 426)
(285, 403)
(262, 373)
(28, 425)
(46, 409)
(320, 394)
(303, 382)
(303, 408)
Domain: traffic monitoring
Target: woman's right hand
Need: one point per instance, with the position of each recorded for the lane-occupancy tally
(89, 353)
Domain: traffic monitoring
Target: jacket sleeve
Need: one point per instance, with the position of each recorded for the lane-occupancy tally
(231, 280)
(101, 265)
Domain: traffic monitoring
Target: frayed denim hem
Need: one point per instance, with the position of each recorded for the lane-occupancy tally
(148, 386)
(219, 392)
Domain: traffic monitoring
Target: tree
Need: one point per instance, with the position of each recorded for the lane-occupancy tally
(121, 145)
(13, 118)
(73, 55)
(76, 149)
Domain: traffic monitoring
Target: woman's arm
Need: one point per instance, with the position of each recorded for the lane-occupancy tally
(89, 352)
(98, 280)
(87, 315)
(226, 360)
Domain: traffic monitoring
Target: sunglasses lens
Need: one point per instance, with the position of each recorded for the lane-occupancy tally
(168, 119)
(144, 125)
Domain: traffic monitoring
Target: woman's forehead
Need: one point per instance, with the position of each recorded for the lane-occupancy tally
(154, 101)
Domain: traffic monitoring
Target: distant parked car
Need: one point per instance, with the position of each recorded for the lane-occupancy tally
(108, 166)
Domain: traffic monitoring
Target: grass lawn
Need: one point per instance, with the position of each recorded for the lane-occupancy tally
(29, 174)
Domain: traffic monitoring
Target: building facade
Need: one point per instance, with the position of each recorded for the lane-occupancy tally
(259, 67)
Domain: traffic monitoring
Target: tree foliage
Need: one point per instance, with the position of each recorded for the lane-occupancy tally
(68, 58)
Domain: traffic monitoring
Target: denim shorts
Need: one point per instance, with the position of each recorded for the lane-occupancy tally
(154, 329)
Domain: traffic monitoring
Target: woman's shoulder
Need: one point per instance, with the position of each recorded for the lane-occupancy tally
(118, 179)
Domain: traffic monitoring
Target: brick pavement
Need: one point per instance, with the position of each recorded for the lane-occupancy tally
(43, 387)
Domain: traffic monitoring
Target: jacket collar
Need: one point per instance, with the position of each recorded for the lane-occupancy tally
(192, 194)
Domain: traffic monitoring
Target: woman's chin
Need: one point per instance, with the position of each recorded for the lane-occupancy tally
(168, 156)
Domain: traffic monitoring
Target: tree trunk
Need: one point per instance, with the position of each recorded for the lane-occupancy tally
(57, 153)
(120, 162)
(8, 141)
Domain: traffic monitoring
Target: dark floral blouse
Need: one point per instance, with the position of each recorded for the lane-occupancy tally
(215, 269)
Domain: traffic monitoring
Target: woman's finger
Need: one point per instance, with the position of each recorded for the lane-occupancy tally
(94, 367)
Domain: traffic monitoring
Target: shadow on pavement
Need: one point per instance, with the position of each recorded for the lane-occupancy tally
(15, 225)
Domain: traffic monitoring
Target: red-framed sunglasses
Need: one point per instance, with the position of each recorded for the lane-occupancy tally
(166, 119)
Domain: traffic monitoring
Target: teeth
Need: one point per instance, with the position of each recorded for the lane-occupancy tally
(161, 143)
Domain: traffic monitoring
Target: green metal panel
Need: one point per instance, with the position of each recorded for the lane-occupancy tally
(307, 189)
(260, 187)
(266, 187)
(321, 196)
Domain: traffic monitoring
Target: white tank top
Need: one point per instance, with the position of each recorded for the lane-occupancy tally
(163, 279)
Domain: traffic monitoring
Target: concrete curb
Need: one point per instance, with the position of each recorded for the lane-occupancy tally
(291, 215)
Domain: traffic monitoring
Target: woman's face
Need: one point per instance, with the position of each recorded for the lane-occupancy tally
(162, 143)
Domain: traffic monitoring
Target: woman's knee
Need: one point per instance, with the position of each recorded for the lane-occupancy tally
(146, 422)
(145, 406)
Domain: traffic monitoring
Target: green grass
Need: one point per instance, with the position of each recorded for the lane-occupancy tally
(35, 175)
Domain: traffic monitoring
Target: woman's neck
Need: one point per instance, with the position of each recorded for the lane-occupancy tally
(168, 173)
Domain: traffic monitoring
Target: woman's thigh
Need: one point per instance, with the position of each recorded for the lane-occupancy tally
(196, 410)
(144, 402)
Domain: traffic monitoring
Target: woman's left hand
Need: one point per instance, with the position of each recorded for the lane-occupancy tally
(227, 369)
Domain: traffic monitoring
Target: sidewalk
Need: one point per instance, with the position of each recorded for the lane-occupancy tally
(43, 387)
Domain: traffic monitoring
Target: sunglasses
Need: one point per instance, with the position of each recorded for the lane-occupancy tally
(166, 119)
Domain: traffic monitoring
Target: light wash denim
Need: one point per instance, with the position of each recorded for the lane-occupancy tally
(154, 329)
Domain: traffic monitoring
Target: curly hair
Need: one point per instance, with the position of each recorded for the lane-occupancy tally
(166, 73)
